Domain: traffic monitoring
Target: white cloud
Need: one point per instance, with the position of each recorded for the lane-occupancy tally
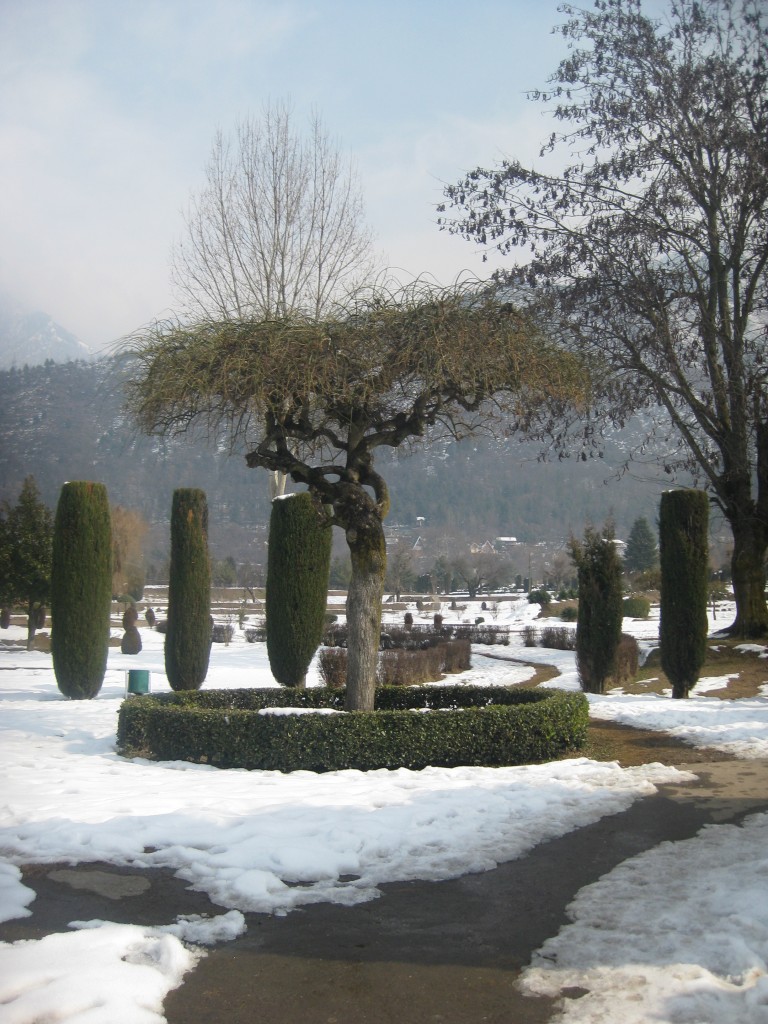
(107, 113)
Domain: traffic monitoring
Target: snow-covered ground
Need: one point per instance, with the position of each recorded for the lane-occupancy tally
(262, 841)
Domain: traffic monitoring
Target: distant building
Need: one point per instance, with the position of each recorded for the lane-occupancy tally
(503, 543)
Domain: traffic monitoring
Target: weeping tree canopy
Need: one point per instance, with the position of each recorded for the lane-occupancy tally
(315, 397)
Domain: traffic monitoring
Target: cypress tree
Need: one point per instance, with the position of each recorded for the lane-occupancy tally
(25, 565)
(81, 589)
(298, 567)
(188, 636)
(683, 536)
(598, 629)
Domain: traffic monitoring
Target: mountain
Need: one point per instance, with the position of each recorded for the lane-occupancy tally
(475, 490)
(30, 337)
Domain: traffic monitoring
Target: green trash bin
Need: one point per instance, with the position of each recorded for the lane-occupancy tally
(137, 681)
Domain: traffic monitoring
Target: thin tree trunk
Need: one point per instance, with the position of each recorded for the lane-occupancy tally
(31, 624)
(366, 588)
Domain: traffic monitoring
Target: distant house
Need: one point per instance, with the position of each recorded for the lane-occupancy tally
(504, 543)
(486, 548)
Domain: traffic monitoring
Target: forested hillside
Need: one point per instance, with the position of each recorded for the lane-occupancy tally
(63, 422)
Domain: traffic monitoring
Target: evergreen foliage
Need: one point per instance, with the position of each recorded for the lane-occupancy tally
(472, 726)
(642, 552)
(81, 589)
(298, 566)
(188, 635)
(26, 539)
(598, 628)
(636, 607)
(683, 530)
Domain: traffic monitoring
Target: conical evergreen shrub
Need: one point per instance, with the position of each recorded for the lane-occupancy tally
(598, 628)
(188, 635)
(81, 589)
(298, 566)
(684, 552)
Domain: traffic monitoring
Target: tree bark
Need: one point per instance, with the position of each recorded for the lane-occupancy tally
(750, 541)
(368, 550)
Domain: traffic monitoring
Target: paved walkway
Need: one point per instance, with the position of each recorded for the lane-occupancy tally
(446, 952)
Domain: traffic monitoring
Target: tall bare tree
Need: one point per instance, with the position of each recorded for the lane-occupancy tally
(277, 228)
(650, 248)
(315, 399)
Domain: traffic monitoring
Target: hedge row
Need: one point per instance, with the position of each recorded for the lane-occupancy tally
(475, 726)
(421, 635)
(402, 666)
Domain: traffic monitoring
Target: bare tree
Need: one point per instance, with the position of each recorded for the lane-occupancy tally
(400, 575)
(129, 529)
(315, 398)
(277, 228)
(651, 244)
(485, 570)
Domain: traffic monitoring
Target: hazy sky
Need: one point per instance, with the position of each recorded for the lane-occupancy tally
(108, 109)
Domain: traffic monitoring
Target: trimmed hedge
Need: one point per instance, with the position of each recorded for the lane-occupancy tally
(636, 607)
(422, 635)
(472, 726)
(402, 666)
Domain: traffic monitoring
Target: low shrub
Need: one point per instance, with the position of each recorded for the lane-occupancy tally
(636, 607)
(222, 632)
(541, 597)
(530, 636)
(418, 635)
(558, 638)
(401, 666)
(332, 662)
(569, 614)
(475, 726)
(457, 656)
(256, 634)
(409, 668)
(481, 633)
(627, 661)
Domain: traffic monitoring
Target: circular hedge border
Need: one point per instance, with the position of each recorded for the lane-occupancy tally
(411, 727)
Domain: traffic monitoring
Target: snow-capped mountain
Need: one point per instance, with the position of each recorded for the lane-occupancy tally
(31, 337)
